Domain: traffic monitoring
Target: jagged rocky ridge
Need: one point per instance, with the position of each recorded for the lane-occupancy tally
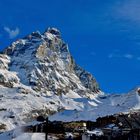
(38, 76)
(44, 62)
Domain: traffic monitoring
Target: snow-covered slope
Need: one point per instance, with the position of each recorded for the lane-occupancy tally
(38, 76)
(107, 104)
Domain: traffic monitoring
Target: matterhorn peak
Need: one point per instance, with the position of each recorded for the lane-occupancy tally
(43, 61)
(53, 31)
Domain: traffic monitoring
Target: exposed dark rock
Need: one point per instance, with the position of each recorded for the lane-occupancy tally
(40, 119)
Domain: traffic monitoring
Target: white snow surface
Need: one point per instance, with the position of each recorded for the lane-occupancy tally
(107, 104)
(21, 136)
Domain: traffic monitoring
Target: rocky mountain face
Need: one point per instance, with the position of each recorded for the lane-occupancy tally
(7, 78)
(43, 61)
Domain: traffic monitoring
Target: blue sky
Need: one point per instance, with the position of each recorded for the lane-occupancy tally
(103, 36)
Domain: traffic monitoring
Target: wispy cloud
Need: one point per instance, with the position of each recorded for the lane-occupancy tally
(117, 55)
(125, 56)
(12, 33)
(129, 9)
(128, 56)
(113, 55)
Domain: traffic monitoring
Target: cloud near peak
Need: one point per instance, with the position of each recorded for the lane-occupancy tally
(12, 33)
(126, 56)
(117, 55)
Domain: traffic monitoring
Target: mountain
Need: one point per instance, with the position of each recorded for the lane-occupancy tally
(44, 62)
(38, 76)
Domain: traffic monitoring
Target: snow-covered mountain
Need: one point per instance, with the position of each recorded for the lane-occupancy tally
(38, 76)
(107, 104)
